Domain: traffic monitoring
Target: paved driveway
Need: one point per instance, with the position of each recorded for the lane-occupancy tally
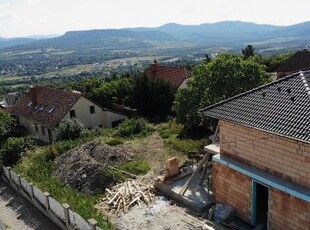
(17, 213)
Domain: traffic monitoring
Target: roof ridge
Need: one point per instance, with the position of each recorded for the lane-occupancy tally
(257, 89)
(304, 80)
(167, 66)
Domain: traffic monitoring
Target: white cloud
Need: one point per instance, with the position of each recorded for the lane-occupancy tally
(25, 17)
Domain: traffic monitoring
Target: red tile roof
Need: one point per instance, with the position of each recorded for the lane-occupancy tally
(299, 61)
(46, 105)
(174, 75)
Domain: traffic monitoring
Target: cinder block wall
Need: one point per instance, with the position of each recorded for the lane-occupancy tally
(280, 156)
(234, 188)
(288, 212)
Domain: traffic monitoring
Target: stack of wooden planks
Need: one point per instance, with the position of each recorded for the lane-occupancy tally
(122, 197)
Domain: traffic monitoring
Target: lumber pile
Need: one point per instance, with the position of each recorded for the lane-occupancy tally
(122, 197)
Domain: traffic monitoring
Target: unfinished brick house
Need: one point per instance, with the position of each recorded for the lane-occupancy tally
(263, 164)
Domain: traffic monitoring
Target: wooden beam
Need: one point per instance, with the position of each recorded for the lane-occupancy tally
(189, 181)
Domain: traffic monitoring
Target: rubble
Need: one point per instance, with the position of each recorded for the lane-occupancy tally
(86, 168)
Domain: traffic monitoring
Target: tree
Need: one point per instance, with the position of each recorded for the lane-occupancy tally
(248, 51)
(225, 76)
(7, 122)
(70, 129)
(273, 62)
(153, 98)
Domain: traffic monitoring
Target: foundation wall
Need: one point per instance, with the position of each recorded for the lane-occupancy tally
(234, 188)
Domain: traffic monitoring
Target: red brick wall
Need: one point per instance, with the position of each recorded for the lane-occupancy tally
(283, 157)
(233, 188)
(288, 212)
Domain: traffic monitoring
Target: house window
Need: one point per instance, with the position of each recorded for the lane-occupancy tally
(72, 113)
(92, 109)
(43, 130)
(36, 127)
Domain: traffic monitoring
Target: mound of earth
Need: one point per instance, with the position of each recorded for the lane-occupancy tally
(85, 168)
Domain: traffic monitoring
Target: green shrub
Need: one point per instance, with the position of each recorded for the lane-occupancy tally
(133, 127)
(70, 129)
(13, 148)
(169, 129)
(7, 122)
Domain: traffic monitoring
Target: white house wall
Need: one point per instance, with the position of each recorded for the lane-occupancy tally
(111, 117)
(30, 126)
(100, 118)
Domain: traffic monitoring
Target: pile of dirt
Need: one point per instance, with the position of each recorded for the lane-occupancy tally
(85, 168)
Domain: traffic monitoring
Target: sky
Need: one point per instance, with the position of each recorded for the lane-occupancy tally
(40, 17)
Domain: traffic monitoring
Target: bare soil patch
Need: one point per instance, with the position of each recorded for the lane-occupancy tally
(85, 168)
(153, 150)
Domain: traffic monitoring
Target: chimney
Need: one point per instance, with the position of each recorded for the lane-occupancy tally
(33, 95)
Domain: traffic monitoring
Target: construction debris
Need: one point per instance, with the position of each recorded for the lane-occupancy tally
(122, 197)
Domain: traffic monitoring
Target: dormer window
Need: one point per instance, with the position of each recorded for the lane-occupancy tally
(51, 109)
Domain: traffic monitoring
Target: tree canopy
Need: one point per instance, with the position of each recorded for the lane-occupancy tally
(6, 124)
(153, 98)
(248, 51)
(225, 76)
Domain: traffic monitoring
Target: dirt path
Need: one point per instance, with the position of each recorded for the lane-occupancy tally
(17, 213)
(154, 151)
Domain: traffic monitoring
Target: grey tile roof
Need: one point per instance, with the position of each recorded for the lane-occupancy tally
(281, 107)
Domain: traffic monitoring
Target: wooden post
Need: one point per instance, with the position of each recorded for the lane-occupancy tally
(188, 182)
(204, 172)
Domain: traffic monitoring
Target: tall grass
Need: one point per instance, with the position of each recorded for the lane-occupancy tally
(133, 128)
(171, 132)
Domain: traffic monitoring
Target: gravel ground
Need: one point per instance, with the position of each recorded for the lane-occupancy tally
(158, 216)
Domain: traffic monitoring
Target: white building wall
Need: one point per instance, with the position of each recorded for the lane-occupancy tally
(30, 126)
(111, 117)
(100, 118)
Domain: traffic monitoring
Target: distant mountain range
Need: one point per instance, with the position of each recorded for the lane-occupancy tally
(233, 34)
(8, 42)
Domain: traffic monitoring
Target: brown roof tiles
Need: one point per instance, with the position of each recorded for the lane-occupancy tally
(46, 105)
(174, 75)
